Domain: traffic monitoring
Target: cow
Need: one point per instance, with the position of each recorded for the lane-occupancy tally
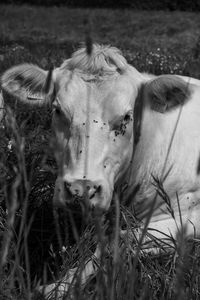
(116, 127)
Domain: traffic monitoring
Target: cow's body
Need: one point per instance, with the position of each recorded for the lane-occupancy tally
(115, 126)
(182, 181)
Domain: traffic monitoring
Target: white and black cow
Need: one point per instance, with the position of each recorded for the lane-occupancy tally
(114, 125)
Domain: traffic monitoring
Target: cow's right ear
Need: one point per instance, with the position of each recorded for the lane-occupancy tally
(28, 84)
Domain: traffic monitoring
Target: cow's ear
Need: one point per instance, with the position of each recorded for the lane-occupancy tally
(166, 92)
(28, 83)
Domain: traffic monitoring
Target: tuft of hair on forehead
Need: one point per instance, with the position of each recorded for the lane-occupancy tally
(103, 60)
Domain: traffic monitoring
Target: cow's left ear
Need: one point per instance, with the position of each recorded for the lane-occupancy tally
(166, 92)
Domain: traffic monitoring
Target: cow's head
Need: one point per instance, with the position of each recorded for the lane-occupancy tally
(93, 100)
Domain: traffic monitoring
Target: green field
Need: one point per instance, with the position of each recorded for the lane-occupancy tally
(56, 32)
(153, 41)
(174, 31)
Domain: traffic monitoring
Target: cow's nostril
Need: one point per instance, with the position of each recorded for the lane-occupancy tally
(98, 189)
(92, 196)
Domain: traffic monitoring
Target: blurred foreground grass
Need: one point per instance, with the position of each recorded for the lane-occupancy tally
(157, 42)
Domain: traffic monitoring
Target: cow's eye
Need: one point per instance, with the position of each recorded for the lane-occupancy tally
(57, 111)
(127, 118)
(121, 124)
(60, 116)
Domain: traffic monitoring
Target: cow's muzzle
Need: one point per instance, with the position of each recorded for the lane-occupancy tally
(97, 193)
(82, 189)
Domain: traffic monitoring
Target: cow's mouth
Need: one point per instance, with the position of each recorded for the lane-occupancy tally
(82, 206)
(79, 214)
(76, 216)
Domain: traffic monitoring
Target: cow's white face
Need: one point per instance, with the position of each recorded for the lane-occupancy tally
(93, 124)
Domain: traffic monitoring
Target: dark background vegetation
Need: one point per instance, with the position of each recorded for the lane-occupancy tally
(184, 5)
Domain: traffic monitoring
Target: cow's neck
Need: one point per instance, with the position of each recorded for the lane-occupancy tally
(176, 169)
